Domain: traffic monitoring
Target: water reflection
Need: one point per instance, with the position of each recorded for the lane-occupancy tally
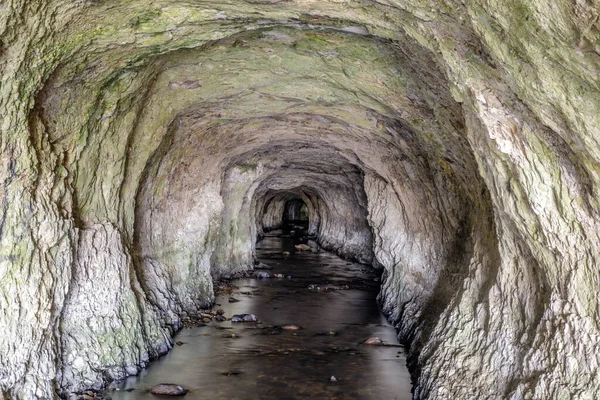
(264, 362)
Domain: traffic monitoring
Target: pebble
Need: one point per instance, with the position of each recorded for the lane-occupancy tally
(278, 276)
(302, 247)
(286, 253)
(374, 341)
(233, 300)
(244, 318)
(333, 379)
(220, 318)
(179, 343)
(291, 327)
(169, 389)
(263, 275)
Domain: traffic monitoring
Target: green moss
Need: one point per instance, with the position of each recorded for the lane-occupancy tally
(247, 167)
(145, 17)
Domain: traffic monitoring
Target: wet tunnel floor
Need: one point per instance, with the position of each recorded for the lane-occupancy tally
(225, 360)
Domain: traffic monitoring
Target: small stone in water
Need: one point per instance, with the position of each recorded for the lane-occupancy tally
(244, 318)
(333, 379)
(286, 253)
(291, 327)
(179, 343)
(374, 341)
(220, 318)
(169, 389)
(220, 311)
(233, 300)
(279, 276)
(262, 275)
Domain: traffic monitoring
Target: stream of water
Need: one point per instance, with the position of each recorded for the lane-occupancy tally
(225, 360)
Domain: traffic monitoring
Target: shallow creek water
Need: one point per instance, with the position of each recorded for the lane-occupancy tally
(265, 362)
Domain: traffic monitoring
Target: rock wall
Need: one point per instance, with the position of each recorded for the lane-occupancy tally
(144, 147)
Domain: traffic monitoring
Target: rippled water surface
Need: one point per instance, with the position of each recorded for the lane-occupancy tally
(265, 362)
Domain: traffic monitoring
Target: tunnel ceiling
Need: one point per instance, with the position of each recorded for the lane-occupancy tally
(147, 145)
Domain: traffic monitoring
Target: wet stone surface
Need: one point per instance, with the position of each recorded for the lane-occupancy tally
(269, 359)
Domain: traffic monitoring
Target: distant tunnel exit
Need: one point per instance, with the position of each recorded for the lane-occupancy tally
(295, 210)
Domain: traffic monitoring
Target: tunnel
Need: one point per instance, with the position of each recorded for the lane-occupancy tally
(295, 210)
(147, 148)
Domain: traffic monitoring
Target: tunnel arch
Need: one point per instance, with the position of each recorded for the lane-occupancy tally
(467, 143)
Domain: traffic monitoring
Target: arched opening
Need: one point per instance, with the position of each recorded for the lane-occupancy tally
(296, 212)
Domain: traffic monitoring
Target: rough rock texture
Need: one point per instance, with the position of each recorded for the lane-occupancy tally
(145, 145)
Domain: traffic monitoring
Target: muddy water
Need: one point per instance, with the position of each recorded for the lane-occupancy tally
(225, 360)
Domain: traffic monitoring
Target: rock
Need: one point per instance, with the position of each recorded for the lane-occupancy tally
(376, 341)
(233, 300)
(220, 318)
(302, 247)
(244, 318)
(278, 276)
(286, 253)
(169, 389)
(333, 379)
(263, 275)
(179, 343)
(291, 327)
(220, 311)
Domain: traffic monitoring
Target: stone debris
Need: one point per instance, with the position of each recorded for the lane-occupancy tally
(376, 341)
(244, 318)
(263, 275)
(169, 389)
(291, 327)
